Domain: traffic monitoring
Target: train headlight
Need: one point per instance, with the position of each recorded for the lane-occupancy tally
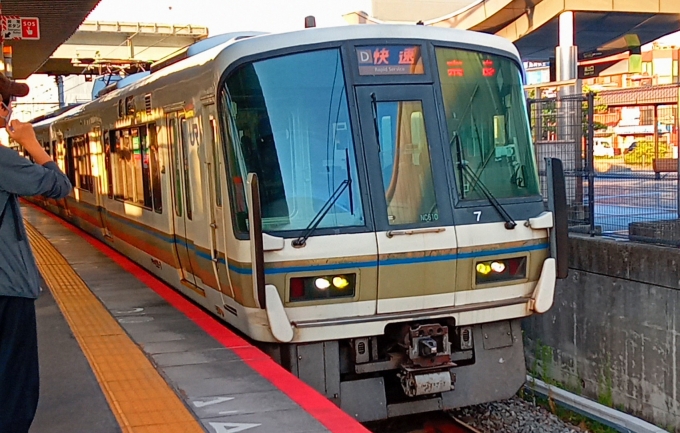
(322, 283)
(494, 271)
(322, 287)
(497, 267)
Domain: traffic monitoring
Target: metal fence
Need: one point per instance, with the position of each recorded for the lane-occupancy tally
(619, 196)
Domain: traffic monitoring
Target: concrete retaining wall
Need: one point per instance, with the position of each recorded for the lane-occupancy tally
(613, 333)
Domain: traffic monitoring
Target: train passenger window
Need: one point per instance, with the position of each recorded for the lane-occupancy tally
(136, 189)
(184, 145)
(154, 161)
(177, 172)
(96, 160)
(486, 119)
(109, 136)
(145, 169)
(131, 173)
(69, 162)
(217, 163)
(290, 121)
(405, 163)
(236, 171)
(124, 153)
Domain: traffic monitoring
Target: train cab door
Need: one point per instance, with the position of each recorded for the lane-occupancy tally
(411, 202)
(215, 213)
(181, 195)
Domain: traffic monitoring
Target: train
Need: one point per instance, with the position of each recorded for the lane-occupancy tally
(363, 202)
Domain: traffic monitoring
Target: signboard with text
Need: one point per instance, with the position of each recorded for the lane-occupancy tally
(390, 60)
(20, 28)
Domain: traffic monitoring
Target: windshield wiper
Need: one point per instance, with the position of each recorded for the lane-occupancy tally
(300, 242)
(374, 110)
(465, 169)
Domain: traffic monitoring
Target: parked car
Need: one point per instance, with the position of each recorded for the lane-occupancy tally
(603, 148)
(630, 148)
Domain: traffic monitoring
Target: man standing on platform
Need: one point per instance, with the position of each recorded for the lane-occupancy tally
(19, 277)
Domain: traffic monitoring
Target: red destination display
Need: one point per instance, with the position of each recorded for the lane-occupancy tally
(456, 68)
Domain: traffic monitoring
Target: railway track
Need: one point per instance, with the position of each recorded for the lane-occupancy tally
(436, 422)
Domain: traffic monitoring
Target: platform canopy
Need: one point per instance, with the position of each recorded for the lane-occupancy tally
(58, 21)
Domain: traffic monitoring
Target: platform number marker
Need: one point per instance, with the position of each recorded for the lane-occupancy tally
(231, 427)
(218, 400)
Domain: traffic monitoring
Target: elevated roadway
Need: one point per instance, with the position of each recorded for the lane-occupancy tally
(603, 27)
(99, 47)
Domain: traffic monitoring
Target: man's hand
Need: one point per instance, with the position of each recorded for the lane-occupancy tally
(24, 134)
(21, 132)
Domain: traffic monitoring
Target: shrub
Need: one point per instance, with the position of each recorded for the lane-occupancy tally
(644, 153)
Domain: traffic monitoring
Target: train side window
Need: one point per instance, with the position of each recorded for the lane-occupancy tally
(184, 145)
(109, 137)
(135, 162)
(69, 162)
(154, 162)
(145, 171)
(96, 160)
(236, 169)
(118, 164)
(176, 167)
(217, 162)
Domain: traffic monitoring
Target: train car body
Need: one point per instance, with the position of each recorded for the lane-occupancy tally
(363, 201)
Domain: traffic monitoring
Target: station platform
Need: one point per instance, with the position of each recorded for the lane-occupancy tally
(120, 351)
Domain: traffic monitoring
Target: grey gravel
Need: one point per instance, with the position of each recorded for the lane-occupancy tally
(513, 416)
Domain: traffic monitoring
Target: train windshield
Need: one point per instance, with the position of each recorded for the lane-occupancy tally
(290, 122)
(488, 132)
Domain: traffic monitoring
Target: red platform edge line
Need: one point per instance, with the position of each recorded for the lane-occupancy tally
(318, 406)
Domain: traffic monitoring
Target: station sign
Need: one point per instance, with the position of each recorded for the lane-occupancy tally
(20, 28)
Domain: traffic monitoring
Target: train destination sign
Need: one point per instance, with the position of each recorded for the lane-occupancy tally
(390, 60)
(456, 68)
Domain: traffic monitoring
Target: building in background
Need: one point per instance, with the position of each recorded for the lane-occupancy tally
(43, 97)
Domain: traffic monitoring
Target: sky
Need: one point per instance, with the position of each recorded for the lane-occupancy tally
(222, 16)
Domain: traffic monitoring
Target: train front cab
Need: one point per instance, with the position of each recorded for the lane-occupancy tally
(398, 233)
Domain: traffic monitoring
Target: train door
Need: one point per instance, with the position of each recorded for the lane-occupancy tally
(181, 195)
(411, 201)
(216, 214)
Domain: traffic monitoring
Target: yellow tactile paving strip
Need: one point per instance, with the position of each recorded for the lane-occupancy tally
(139, 397)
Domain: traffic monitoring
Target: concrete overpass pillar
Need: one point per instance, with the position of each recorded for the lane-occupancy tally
(566, 52)
(59, 80)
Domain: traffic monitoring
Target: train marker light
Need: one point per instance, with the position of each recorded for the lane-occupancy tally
(496, 271)
(340, 282)
(322, 283)
(483, 268)
(324, 287)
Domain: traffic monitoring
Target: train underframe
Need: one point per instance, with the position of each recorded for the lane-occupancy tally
(414, 367)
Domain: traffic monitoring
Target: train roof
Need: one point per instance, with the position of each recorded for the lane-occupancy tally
(278, 41)
(59, 113)
(219, 52)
